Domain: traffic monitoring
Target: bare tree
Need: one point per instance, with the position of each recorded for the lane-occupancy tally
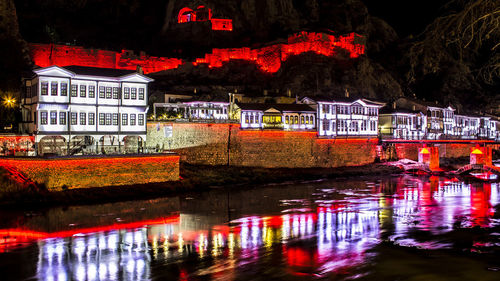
(470, 34)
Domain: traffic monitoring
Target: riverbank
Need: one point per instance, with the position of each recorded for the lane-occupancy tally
(194, 178)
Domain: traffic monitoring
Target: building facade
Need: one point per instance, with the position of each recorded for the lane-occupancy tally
(345, 117)
(78, 109)
(277, 116)
(402, 124)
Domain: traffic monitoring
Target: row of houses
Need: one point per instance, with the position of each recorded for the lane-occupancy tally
(100, 110)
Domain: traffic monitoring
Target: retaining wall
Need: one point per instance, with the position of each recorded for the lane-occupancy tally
(97, 171)
(222, 144)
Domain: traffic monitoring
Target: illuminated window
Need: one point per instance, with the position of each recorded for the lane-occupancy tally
(64, 89)
(116, 90)
(132, 119)
(302, 119)
(101, 119)
(133, 94)
(126, 93)
(83, 91)
(287, 119)
(141, 93)
(108, 93)
(43, 117)
(141, 119)
(296, 119)
(45, 86)
(124, 119)
(251, 118)
(91, 91)
(83, 118)
(73, 118)
(62, 118)
(108, 119)
(53, 89)
(246, 118)
(53, 118)
(74, 89)
(115, 119)
(101, 92)
(91, 118)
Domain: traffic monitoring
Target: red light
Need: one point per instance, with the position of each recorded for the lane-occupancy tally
(268, 59)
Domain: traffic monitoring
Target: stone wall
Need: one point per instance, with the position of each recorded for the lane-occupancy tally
(97, 171)
(222, 144)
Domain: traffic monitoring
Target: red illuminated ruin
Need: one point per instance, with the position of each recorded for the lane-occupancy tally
(268, 59)
(203, 14)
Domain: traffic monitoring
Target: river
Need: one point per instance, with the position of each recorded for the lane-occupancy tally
(390, 228)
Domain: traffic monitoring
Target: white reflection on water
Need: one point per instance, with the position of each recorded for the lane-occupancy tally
(335, 236)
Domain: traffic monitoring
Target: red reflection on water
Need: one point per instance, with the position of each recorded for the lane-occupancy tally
(481, 209)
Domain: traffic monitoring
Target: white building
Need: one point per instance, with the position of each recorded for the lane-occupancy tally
(440, 122)
(207, 110)
(402, 124)
(77, 109)
(346, 117)
(277, 116)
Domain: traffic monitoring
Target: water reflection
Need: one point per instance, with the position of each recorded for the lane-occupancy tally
(329, 231)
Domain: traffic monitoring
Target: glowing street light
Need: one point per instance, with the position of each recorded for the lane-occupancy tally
(9, 102)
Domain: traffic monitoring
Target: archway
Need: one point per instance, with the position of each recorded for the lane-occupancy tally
(109, 144)
(82, 145)
(186, 15)
(133, 144)
(53, 145)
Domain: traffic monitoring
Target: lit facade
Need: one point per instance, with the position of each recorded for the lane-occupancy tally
(277, 116)
(204, 110)
(440, 122)
(84, 109)
(403, 125)
(348, 118)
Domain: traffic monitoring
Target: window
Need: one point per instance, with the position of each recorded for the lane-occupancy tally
(132, 119)
(246, 118)
(108, 119)
(251, 118)
(124, 119)
(101, 119)
(141, 119)
(296, 119)
(115, 119)
(126, 93)
(91, 118)
(28, 91)
(53, 118)
(45, 86)
(302, 119)
(91, 91)
(62, 118)
(101, 92)
(287, 119)
(134, 93)
(141, 93)
(43, 117)
(108, 92)
(326, 124)
(83, 118)
(115, 92)
(64, 89)
(73, 118)
(73, 90)
(53, 89)
(83, 91)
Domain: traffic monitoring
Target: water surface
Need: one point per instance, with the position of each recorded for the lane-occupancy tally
(402, 228)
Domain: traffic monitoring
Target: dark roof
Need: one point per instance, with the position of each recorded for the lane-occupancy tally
(278, 106)
(324, 98)
(97, 71)
(208, 98)
(390, 110)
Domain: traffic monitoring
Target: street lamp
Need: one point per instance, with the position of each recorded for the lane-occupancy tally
(9, 102)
